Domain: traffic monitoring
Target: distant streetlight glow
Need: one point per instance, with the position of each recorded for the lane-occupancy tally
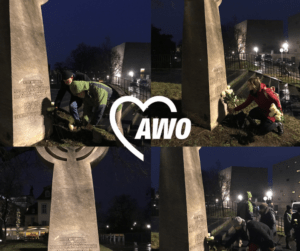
(285, 46)
(107, 226)
(107, 76)
(281, 50)
(227, 198)
(217, 200)
(269, 194)
(148, 226)
(131, 74)
(256, 50)
(118, 75)
(265, 198)
(240, 197)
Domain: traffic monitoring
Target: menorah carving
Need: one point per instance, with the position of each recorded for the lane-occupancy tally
(73, 221)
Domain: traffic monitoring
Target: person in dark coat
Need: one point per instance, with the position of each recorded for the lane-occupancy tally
(75, 102)
(268, 217)
(264, 97)
(287, 225)
(256, 233)
(296, 227)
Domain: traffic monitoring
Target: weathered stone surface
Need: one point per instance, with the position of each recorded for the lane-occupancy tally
(182, 215)
(203, 63)
(73, 221)
(25, 92)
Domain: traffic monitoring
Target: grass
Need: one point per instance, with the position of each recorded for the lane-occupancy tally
(32, 246)
(154, 240)
(224, 134)
(242, 65)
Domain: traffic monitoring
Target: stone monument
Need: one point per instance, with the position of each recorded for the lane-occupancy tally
(203, 63)
(182, 214)
(73, 221)
(25, 87)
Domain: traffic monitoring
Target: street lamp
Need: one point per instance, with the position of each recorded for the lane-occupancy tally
(265, 198)
(217, 200)
(148, 225)
(256, 50)
(107, 226)
(240, 197)
(285, 48)
(269, 195)
(281, 50)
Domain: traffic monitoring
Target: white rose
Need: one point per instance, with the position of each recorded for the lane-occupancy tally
(52, 103)
(71, 127)
(228, 87)
(278, 117)
(230, 91)
(223, 94)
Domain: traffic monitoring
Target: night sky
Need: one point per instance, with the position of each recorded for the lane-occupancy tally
(68, 23)
(111, 178)
(233, 156)
(168, 14)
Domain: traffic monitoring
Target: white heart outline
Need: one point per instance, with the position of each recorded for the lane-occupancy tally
(143, 107)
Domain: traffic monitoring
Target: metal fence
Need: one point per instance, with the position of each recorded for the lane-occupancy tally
(216, 210)
(140, 89)
(282, 68)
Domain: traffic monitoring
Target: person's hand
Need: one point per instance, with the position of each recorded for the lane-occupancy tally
(89, 126)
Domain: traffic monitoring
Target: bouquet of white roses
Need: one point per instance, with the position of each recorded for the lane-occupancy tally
(274, 112)
(228, 96)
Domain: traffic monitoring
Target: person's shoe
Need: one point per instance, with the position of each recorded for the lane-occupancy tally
(280, 128)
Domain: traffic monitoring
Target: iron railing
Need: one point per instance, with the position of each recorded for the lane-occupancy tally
(216, 210)
(140, 89)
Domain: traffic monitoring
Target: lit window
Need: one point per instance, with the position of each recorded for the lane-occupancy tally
(142, 69)
(298, 171)
(293, 191)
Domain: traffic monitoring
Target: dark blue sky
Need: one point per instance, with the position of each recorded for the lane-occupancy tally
(111, 178)
(232, 156)
(68, 23)
(168, 15)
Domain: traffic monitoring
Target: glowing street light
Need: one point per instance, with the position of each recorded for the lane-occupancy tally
(285, 46)
(281, 50)
(131, 73)
(107, 226)
(217, 200)
(118, 75)
(107, 76)
(265, 198)
(240, 197)
(148, 225)
(227, 198)
(269, 194)
(256, 50)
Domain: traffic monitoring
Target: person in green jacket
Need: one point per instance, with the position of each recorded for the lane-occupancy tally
(95, 95)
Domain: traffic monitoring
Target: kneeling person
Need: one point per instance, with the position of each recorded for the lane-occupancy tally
(94, 95)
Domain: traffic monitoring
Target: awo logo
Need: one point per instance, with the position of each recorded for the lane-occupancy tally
(159, 125)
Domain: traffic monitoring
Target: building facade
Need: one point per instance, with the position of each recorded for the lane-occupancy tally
(294, 37)
(39, 213)
(267, 35)
(135, 58)
(242, 179)
(286, 183)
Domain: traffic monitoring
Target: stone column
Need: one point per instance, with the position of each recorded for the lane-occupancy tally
(203, 63)
(182, 214)
(73, 220)
(25, 87)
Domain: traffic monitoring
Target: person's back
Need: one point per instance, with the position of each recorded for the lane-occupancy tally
(268, 217)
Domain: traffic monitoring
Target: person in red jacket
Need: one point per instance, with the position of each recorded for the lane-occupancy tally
(264, 97)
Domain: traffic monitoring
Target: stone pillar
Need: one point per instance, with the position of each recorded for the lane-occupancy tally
(25, 88)
(203, 63)
(73, 220)
(182, 214)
